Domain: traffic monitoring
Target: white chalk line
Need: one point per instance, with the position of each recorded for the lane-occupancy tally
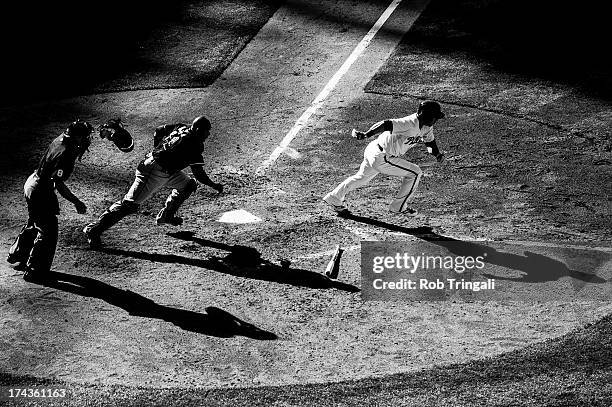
(318, 101)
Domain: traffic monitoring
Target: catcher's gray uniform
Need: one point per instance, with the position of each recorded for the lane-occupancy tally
(177, 146)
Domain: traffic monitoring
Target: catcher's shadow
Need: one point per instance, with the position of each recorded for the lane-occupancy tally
(242, 261)
(536, 267)
(215, 322)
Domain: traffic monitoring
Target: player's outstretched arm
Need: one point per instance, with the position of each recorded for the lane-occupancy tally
(377, 128)
(201, 176)
(69, 196)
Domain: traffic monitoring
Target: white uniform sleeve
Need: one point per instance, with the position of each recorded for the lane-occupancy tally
(402, 124)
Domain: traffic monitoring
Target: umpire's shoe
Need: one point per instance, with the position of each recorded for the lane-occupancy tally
(37, 277)
(93, 238)
(12, 258)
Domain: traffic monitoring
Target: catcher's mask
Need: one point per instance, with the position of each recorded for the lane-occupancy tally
(114, 131)
(80, 131)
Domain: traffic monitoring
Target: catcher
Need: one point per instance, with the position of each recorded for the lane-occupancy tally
(176, 147)
(35, 246)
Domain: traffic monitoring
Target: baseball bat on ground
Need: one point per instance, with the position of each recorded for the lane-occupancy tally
(333, 267)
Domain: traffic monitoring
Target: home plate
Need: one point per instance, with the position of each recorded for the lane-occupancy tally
(239, 216)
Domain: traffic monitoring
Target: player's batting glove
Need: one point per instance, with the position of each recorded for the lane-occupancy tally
(218, 188)
(80, 207)
(359, 135)
(440, 158)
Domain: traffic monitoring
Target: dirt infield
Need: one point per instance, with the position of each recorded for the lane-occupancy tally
(157, 308)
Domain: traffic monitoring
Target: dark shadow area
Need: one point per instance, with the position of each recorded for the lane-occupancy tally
(60, 49)
(242, 261)
(561, 41)
(63, 47)
(536, 267)
(215, 322)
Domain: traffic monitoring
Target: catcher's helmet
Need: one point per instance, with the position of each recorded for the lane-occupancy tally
(432, 109)
(200, 125)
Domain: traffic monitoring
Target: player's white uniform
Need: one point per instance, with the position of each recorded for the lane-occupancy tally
(383, 154)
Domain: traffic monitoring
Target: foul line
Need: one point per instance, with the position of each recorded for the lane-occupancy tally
(318, 101)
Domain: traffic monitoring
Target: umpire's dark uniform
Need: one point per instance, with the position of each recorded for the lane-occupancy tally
(35, 246)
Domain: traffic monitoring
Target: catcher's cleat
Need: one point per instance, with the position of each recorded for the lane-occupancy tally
(170, 220)
(336, 204)
(93, 239)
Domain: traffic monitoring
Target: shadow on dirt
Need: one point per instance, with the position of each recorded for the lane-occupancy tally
(242, 261)
(556, 40)
(536, 267)
(215, 322)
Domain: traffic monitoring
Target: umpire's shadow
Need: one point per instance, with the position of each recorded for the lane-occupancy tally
(536, 267)
(242, 261)
(215, 322)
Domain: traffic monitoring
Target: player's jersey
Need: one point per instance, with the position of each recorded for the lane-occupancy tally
(56, 164)
(176, 147)
(405, 135)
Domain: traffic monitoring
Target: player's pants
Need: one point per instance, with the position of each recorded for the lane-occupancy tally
(36, 243)
(150, 177)
(376, 161)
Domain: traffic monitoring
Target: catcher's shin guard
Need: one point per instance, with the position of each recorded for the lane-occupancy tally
(111, 216)
(176, 199)
(407, 190)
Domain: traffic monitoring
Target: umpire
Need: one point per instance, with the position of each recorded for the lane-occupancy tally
(35, 246)
(176, 146)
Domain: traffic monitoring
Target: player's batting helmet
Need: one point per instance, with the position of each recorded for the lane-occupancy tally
(432, 109)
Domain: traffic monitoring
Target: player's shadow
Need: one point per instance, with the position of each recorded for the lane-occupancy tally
(536, 268)
(215, 322)
(242, 261)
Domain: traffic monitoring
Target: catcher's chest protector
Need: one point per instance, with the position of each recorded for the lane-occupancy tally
(172, 143)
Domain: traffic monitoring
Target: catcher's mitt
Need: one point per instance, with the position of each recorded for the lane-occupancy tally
(114, 131)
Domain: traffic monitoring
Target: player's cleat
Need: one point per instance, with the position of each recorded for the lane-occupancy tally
(409, 212)
(170, 220)
(93, 239)
(336, 204)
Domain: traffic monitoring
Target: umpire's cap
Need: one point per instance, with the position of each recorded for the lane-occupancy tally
(80, 131)
(431, 108)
